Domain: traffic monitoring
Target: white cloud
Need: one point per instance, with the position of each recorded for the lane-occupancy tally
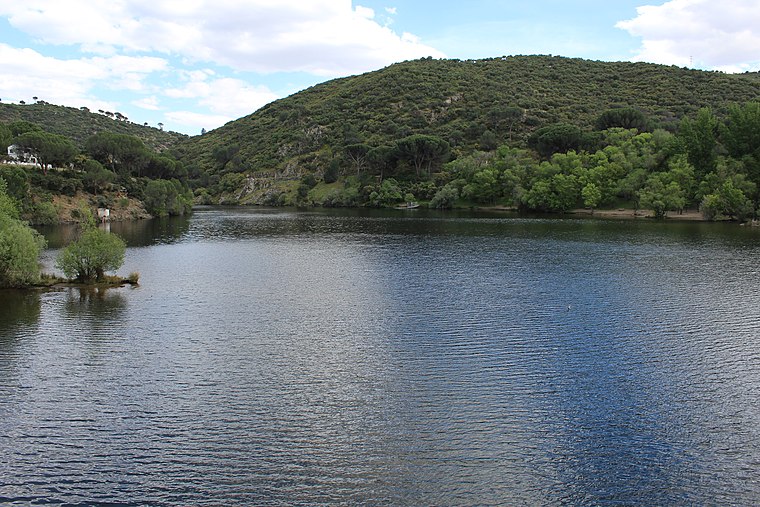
(721, 35)
(323, 37)
(229, 97)
(198, 120)
(28, 73)
(148, 103)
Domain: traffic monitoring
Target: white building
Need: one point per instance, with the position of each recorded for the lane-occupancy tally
(17, 155)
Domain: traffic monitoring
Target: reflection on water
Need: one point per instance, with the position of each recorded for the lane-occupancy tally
(393, 358)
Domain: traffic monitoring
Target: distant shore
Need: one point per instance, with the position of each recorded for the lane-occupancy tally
(688, 215)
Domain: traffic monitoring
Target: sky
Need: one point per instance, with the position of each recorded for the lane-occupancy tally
(197, 64)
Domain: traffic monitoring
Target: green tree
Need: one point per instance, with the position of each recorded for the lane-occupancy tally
(5, 140)
(558, 138)
(388, 194)
(170, 197)
(484, 187)
(357, 155)
(50, 149)
(423, 151)
(20, 246)
(624, 117)
(741, 133)
(699, 138)
(591, 195)
(96, 178)
(121, 153)
(89, 257)
(728, 200)
(382, 159)
(661, 194)
(445, 197)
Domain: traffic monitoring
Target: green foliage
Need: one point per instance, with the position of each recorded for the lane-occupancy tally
(20, 246)
(699, 139)
(661, 194)
(727, 200)
(5, 139)
(332, 173)
(445, 197)
(423, 152)
(50, 149)
(557, 138)
(8, 206)
(458, 101)
(387, 194)
(591, 195)
(79, 124)
(624, 117)
(121, 153)
(96, 178)
(167, 197)
(89, 257)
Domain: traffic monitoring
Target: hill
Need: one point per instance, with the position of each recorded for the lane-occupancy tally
(79, 124)
(505, 99)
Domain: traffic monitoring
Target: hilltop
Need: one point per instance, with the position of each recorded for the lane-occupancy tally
(80, 124)
(504, 99)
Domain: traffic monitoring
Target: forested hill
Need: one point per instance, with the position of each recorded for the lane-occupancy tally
(467, 103)
(79, 124)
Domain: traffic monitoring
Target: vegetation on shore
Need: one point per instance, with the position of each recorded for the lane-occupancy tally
(114, 171)
(536, 133)
(531, 132)
(84, 261)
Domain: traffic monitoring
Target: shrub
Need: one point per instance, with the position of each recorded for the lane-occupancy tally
(88, 258)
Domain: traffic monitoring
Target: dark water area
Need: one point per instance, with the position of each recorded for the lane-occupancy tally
(357, 357)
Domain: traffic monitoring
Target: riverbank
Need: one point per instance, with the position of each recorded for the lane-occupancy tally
(691, 215)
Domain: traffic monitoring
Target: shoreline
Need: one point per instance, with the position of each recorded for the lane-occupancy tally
(619, 213)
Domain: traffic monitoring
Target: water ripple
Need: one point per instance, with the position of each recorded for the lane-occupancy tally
(282, 358)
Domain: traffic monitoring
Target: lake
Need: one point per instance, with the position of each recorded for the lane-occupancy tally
(360, 357)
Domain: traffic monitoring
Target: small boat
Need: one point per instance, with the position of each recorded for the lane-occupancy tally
(409, 205)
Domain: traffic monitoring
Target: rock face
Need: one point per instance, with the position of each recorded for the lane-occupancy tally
(123, 208)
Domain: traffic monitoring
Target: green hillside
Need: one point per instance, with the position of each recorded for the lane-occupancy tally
(80, 124)
(502, 100)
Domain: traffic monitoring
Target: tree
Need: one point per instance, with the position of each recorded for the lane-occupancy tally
(121, 153)
(423, 151)
(357, 154)
(382, 159)
(387, 194)
(20, 246)
(50, 149)
(5, 139)
(727, 200)
(558, 138)
(89, 257)
(96, 177)
(661, 194)
(699, 138)
(591, 195)
(624, 117)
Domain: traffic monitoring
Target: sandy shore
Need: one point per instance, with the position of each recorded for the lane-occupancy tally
(692, 215)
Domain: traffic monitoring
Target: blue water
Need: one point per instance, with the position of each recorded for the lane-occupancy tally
(275, 357)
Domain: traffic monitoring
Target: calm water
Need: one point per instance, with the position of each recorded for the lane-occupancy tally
(274, 357)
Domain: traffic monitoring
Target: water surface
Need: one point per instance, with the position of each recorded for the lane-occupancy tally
(277, 357)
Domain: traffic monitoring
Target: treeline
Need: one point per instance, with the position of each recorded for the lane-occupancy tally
(472, 105)
(110, 166)
(709, 163)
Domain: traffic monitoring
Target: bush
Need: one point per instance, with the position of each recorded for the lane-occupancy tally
(20, 245)
(88, 258)
(20, 248)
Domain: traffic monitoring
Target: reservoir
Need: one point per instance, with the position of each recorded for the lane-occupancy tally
(362, 357)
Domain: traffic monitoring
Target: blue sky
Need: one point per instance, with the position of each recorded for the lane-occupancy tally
(193, 64)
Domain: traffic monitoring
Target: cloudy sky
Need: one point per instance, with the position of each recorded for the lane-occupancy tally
(193, 64)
